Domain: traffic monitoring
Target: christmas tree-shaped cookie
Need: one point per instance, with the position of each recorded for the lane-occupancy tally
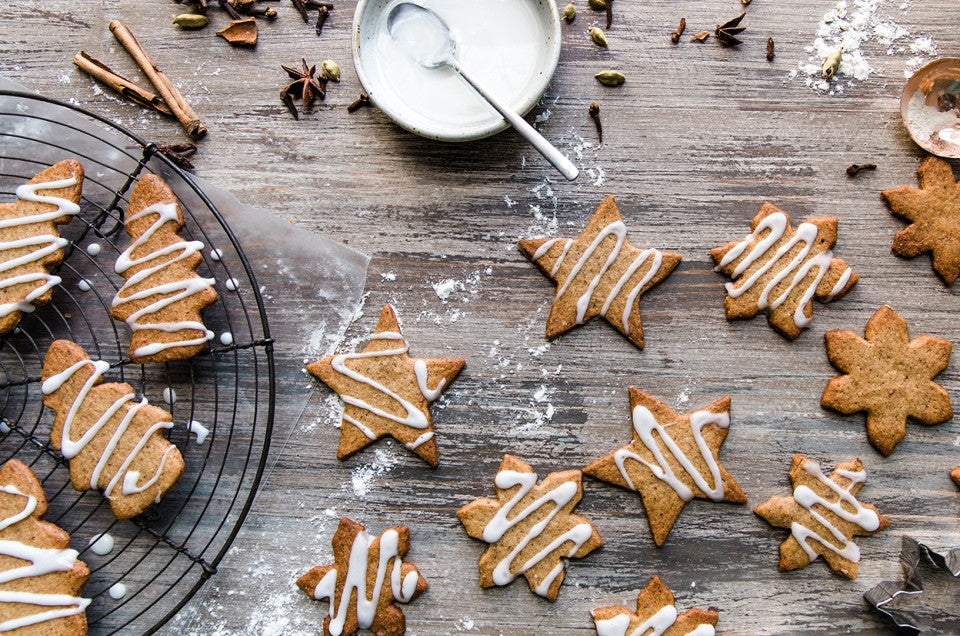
(163, 295)
(41, 575)
(30, 242)
(112, 440)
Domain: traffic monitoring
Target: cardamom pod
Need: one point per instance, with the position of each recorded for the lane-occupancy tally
(330, 70)
(598, 36)
(611, 78)
(598, 5)
(569, 12)
(190, 21)
(831, 64)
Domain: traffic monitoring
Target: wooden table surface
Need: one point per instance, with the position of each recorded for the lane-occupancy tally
(697, 138)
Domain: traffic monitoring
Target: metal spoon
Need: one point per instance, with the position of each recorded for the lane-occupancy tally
(428, 40)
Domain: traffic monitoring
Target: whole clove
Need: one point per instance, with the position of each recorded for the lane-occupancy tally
(728, 31)
(675, 36)
(179, 153)
(856, 168)
(609, 14)
(358, 103)
(301, 9)
(771, 52)
(594, 110)
(322, 14)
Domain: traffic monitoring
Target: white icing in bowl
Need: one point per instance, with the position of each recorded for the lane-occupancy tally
(511, 46)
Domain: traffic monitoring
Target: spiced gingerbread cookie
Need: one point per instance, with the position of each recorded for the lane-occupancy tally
(41, 576)
(599, 273)
(889, 376)
(933, 211)
(386, 392)
(530, 528)
(671, 460)
(163, 295)
(823, 516)
(655, 611)
(365, 582)
(780, 270)
(30, 243)
(112, 441)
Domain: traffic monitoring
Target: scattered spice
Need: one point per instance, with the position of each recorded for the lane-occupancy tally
(700, 37)
(594, 111)
(165, 88)
(191, 21)
(831, 64)
(745, 2)
(104, 74)
(771, 52)
(301, 9)
(597, 35)
(242, 32)
(611, 78)
(728, 31)
(179, 153)
(304, 87)
(598, 5)
(569, 13)
(609, 14)
(322, 14)
(856, 168)
(675, 36)
(330, 70)
(358, 103)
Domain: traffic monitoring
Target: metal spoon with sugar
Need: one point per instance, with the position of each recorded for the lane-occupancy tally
(427, 39)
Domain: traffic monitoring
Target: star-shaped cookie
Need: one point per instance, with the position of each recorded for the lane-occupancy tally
(889, 376)
(823, 516)
(655, 611)
(671, 460)
(530, 527)
(599, 274)
(780, 270)
(365, 582)
(934, 215)
(386, 392)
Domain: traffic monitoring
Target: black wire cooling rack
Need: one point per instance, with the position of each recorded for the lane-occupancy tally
(164, 556)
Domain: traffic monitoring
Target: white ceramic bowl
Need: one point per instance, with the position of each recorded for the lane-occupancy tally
(512, 46)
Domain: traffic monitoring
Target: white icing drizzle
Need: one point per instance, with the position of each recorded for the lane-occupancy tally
(401, 587)
(863, 517)
(662, 620)
(166, 213)
(645, 424)
(94, 249)
(45, 244)
(102, 544)
(502, 523)
(200, 431)
(414, 417)
(70, 448)
(117, 591)
(226, 338)
(426, 437)
(41, 561)
(801, 264)
(619, 230)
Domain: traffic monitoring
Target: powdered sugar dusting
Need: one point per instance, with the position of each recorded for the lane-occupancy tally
(849, 26)
(363, 477)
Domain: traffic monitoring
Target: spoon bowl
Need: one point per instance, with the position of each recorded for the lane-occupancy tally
(525, 34)
(427, 40)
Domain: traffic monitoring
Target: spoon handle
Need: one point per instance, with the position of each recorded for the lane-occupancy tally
(544, 147)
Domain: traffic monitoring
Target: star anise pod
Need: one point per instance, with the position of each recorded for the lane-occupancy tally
(304, 87)
(728, 31)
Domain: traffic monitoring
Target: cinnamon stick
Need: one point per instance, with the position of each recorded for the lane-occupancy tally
(174, 100)
(105, 75)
